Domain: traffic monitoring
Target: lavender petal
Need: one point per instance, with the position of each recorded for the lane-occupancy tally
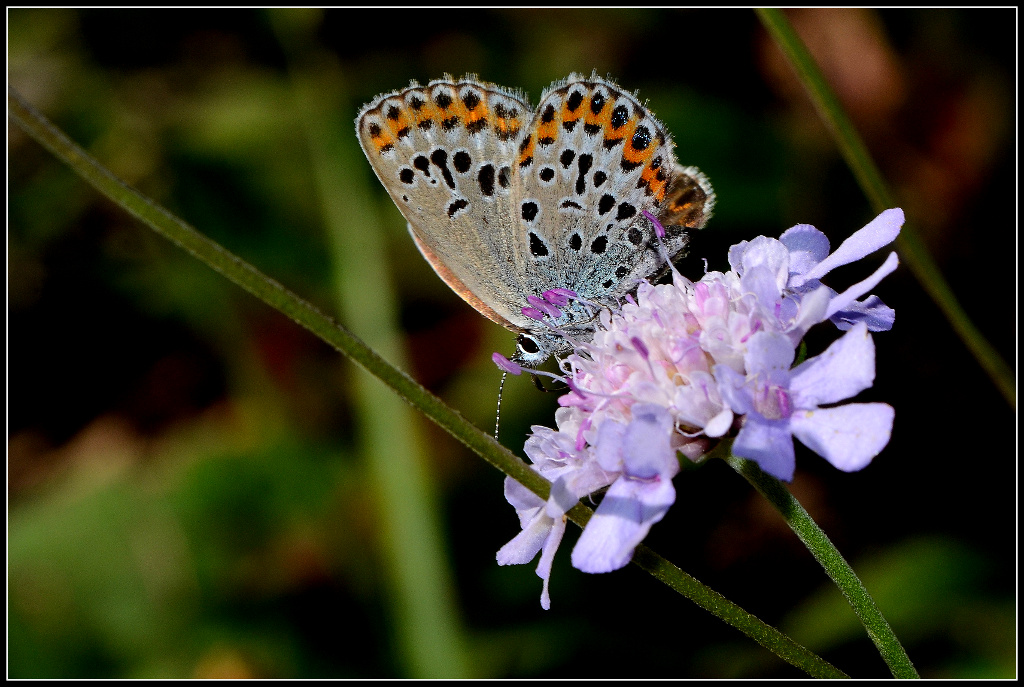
(848, 436)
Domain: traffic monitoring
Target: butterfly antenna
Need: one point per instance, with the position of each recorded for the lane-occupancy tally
(497, 413)
(659, 235)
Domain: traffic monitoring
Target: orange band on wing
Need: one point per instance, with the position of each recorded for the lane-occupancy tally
(656, 181)
(526, 151)
(603, 117)
(383, 140)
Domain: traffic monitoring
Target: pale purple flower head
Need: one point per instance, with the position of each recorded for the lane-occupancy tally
(790, 269)
(684, 365)
(779, 403)
(642, 456)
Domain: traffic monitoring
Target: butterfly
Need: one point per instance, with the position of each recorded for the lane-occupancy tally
(511, 204)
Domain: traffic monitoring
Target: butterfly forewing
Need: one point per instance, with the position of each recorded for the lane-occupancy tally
(444, 153)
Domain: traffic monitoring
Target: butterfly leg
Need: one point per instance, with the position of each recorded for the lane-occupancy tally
(537, 383)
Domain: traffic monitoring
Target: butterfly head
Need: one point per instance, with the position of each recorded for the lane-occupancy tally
(533, 348)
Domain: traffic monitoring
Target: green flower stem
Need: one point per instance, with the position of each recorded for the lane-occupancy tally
(716, 604)
(911, 248)
(306, 315)
(269, 291)
(835, 565)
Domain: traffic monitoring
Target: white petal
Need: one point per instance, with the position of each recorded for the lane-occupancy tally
(770, 254)
(807, 247)
(880, 231)
(572, 486)
(768, 350)
(847, 297)
(813, 306)
(871, 311)
(620, 523)
(848, 436)
(769, 444)
(525, 545)
(761, 282)
(732, 386)
(546, 558)
(646, 451)
(844, 369)
(608, 445)
(719, 424)
(520, 497)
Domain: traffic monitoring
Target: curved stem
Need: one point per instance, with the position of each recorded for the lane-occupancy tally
(269, 291)
(275, 295)
(912, 249)
(835, 565)
(767, 636)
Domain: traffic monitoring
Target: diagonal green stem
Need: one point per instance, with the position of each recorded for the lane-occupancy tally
(911, 248)
(267, 290)
(716, 604)
(835, 565)
(306, 315)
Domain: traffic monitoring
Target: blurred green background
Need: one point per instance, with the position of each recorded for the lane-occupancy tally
(199, 488)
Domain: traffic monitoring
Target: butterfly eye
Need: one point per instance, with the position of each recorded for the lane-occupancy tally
(529, 351)
(527, 344)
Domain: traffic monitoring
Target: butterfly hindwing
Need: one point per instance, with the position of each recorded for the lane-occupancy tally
(593, 160)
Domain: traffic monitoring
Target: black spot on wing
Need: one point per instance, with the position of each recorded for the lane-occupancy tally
(585, 161)
(456, 206)
(440, 158)
(641, 138)
(537, 246)
(530, 210)
(486, 179)
(620, 115)
(462, 161)
(625, 211)
(443, 100)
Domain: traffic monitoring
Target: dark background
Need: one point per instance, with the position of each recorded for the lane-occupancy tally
(188, 484)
